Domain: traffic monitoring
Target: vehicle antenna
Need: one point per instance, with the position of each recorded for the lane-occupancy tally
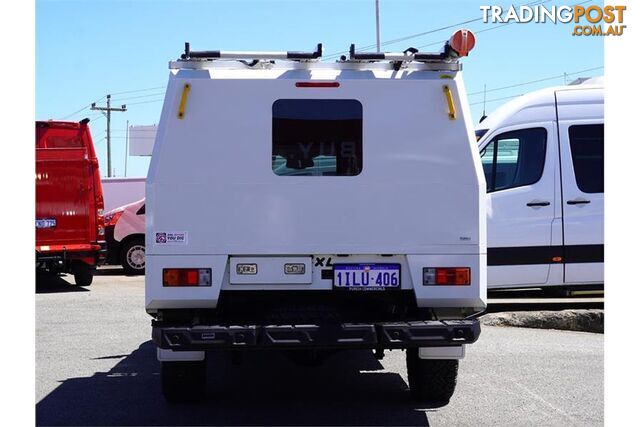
(377, 25)
(484, 104)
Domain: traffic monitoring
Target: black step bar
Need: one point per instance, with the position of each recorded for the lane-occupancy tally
(430, 333)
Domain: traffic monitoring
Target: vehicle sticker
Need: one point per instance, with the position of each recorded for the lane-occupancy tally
(171, 238)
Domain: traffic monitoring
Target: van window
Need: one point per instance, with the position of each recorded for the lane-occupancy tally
(317, 137)
(587, 154)
(514, 159)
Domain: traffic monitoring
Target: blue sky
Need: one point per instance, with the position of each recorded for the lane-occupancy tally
(86, 49)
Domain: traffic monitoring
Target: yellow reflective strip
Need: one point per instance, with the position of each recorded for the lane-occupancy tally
(183, 100)
(452, 108)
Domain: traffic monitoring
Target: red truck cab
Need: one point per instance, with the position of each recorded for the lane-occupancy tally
(69, 202)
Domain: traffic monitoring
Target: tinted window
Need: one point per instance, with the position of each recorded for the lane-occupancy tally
(141, 211)
(317, 137)
(587, 153)
(514, 159)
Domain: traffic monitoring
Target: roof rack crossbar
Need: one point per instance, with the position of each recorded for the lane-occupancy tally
(217, 54)
(410, 54)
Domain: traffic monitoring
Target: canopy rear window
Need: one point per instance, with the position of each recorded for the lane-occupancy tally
(317, 137)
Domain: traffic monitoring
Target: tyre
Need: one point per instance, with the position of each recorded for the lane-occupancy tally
(431, 381)
(132, 256)
(183, 381)
(83, 274)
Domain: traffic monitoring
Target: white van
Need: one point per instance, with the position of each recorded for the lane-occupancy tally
(124, 233)
(307, 206)
(543, 159)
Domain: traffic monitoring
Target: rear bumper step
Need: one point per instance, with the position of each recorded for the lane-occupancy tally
(349, 335)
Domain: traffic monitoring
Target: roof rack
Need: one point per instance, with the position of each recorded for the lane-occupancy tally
(255, 56)
(460, 43)
(408, 55)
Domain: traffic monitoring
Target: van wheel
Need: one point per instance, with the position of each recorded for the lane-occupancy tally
(431, 381)
(83, 274)
(133, 256)
(183, 381)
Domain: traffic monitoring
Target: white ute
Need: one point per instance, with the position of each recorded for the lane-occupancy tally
(310, 207)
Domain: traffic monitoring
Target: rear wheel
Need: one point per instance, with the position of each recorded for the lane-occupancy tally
(183, 381)
(133, 256)
(431, 381)
(83, 274)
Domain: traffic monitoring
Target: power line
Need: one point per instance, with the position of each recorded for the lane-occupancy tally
(424, 33)
(388, 42)
(81, 109)
(493, 28)
(138, 96)
(535, 81)
(137, 90)
(147, 102)
(497, 99)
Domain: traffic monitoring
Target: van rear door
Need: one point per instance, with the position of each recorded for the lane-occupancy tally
(581, 130)
(64, 190)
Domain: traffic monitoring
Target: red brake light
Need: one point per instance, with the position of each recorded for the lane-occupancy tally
(317, 84)
(186, 277)
(446, 276)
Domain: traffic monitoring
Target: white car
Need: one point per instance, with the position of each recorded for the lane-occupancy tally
(543, 158)
(310, 206)
(124, 231)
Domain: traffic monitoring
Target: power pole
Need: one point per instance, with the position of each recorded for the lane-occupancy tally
(108, 109)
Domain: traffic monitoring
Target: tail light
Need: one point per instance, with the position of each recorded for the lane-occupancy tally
(112, 217)
(177, 277)
(446, 276)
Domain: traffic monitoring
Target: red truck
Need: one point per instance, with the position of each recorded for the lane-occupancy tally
(69, 204)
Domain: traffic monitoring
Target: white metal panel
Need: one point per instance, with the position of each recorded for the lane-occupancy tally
(141, 139)
(473, 295)
(322, 262)
(158, 296)
(269, 270)
(118, 192)
(211, 176)
(416, 163)
(442, 353)
(166, 355)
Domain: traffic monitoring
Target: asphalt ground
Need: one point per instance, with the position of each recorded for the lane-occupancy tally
(96, 365)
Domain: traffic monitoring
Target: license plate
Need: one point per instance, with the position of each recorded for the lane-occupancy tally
(46, 223)
(365, 277)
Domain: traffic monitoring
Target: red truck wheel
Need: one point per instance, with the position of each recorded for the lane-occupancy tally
(83, 274)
